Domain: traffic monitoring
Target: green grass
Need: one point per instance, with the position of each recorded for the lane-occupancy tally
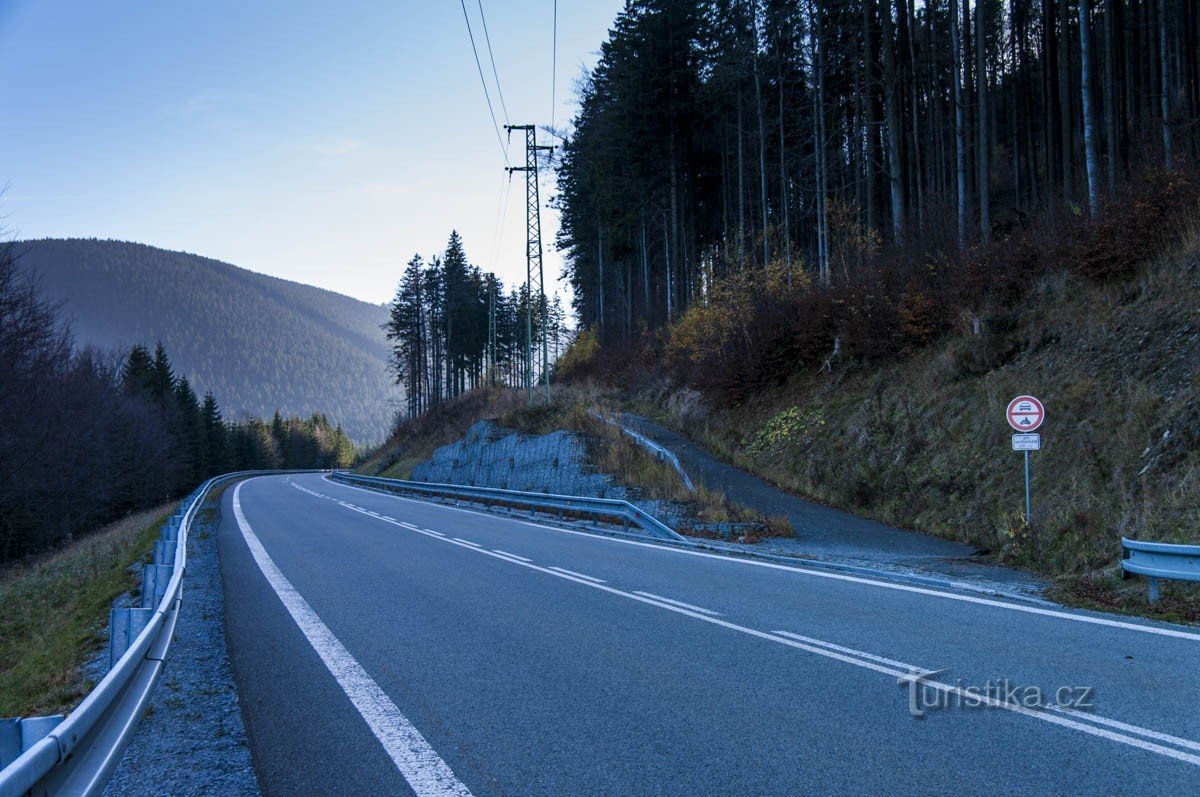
(54, 608)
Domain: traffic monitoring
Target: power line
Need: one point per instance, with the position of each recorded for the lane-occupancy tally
(554, 66)
(488, 39)
(483, 82)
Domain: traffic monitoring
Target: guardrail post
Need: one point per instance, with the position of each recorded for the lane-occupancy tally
(164, 552)
(1152, 583)
(171, 530)
(124, 625)
(18, 735)
(154, 584)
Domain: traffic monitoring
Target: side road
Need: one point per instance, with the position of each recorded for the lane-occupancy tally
(826, 533)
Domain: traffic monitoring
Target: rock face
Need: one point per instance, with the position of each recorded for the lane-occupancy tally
(489, 456)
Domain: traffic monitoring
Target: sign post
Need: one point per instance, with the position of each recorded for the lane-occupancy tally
(1025, 414)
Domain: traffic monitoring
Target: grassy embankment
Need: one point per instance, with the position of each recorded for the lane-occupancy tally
(922, 443)
(54, 609)
(608, 449)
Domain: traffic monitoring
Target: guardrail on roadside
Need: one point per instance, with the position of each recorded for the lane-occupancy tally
(662, 453)
(78, 754)
(1157, 560)
(599, 507)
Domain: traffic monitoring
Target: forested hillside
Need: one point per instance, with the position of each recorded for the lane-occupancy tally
(88, 437)
(868, 143)
(260, 343)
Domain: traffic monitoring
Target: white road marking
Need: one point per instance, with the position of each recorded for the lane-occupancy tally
(460, 539)
(421, 766)
(579, 575)
(691, 606)
(815, 573)
(407, 525)
(1124, 726)
(512, 555)
(859, 659)
(431, 531)
(853, 652)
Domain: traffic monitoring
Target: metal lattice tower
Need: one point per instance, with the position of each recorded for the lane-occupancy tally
(533, 257)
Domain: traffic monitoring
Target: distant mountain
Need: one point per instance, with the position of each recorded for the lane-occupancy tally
(258, 343)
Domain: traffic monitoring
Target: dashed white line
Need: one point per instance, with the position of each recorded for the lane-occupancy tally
(512, 555)
(407, 525)
(691, 606)
(418, 762)
(431, 531)
(467, 542)
(815, 573)
(871, 662)
(578, 575)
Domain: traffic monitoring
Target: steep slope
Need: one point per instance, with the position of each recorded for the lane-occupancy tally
(922, 443)
(257, 342)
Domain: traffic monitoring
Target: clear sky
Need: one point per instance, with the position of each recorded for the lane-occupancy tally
(323, 142)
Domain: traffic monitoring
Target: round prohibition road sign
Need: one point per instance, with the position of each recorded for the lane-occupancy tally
(1025, 413)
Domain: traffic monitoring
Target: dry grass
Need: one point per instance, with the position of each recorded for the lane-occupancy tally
(922, 443)
(53, 609)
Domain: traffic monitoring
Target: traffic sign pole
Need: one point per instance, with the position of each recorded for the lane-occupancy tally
(1028, 499)
(1026, 414)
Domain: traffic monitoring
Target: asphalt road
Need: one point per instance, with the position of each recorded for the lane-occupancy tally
(391, 646)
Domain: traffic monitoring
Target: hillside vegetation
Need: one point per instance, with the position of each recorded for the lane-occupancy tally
(259, 343)
(921, 441)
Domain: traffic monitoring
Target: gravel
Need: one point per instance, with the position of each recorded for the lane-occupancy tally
(191, 740)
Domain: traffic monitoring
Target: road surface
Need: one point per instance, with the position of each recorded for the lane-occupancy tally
(391, 646)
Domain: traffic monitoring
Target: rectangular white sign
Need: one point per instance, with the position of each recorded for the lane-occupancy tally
(1027, 442)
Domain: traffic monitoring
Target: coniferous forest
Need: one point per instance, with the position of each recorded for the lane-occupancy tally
(848, 178)
(89, 436)
(454, 327)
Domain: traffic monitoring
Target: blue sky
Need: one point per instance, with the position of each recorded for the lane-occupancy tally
(320, 142)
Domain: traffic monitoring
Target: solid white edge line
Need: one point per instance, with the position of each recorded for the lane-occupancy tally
(829, 650)
(417, 761)
(691, 606)
(1062, 615)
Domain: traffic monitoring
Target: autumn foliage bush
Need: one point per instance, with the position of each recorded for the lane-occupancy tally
(756, 327)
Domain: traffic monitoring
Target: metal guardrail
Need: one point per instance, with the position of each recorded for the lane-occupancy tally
(597, 507)
(77, 755)
(1157, 560)
(663, 454)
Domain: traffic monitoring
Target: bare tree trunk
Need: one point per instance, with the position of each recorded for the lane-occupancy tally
(783, 182)
(1085, 88)
(1064, 81)
(741, 167)
(960, 138)
(984, 154)
(1110, 96)
(762, 136)
(892, 105)
(915, 117)
(870, 132)
(1165, 62)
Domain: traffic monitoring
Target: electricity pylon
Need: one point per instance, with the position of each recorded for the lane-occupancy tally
(533, 256)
